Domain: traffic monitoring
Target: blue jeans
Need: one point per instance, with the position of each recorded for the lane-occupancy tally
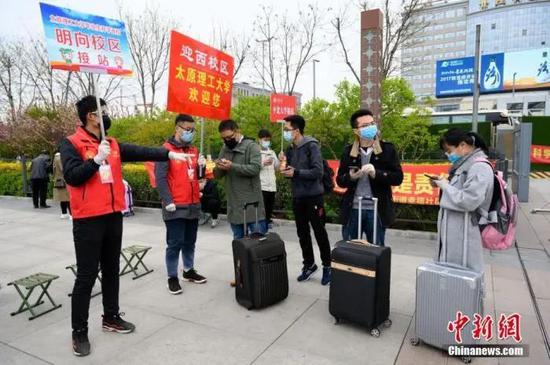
(181, 235)
(367, 226)
(238, 229)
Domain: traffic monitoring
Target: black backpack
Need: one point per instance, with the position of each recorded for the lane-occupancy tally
(328, 174)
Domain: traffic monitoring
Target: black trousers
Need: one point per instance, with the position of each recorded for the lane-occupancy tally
(97, 242)
(39, 191)
(65, 207)
(269, 201)
(211, 205)
(311, 211)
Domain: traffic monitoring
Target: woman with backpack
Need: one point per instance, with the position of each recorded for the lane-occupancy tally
(464, 195)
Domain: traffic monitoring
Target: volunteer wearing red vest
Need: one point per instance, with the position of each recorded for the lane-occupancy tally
(178, 187)
(93, 171)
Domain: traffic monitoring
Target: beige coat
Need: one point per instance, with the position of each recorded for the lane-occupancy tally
(59, 194)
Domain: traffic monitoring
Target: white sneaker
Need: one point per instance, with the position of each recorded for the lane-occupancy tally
(64, 216)
(214, 223)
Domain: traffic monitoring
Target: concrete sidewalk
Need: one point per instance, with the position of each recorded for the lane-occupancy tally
(205, 325)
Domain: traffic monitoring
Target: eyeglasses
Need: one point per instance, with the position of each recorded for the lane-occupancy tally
(366, 125)
(191, 129)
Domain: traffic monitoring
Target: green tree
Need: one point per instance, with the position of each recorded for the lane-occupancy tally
(252, 114)
(323, 124)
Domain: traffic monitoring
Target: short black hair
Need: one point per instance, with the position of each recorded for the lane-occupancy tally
(264, 133)
(87, 105)
(184, 118)
(228, 124)
(358, 114)
(455, 136)
(297, 122)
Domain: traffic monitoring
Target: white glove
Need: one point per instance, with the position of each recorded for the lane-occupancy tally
(369, 169)
(170, 208)
(356, 175)
(103, 151)
(202, 160)
(179, 156)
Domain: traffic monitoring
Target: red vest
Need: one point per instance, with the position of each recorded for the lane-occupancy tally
(183, 187)
(94, 198)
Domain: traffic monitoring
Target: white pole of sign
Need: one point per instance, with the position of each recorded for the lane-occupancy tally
(202, 135)
(99, 113)
(282, 132)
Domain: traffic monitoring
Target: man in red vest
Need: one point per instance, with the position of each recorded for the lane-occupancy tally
(92, 168)
(178, 187)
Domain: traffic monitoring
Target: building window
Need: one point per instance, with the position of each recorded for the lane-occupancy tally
(493, 26)
(515, 107)
(524, 32)
(447, 107)
(536, 108)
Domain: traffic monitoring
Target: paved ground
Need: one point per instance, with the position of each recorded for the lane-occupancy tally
(206, 326)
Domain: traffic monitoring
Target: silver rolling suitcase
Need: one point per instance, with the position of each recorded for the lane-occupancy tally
(443, 289)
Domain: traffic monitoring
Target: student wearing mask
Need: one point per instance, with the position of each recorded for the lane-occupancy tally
(92, 169)
(303, 165)
(240, 164)
(178, 187)
(368, 167)
(270, 163)
(469, 189)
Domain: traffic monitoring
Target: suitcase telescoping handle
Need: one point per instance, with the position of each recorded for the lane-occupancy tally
(255, 204)
(464, 242)
(375, 223)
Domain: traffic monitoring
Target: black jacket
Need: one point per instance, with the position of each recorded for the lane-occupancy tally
(41, 167)
(388, 174)
(76, 171)
(308, 168)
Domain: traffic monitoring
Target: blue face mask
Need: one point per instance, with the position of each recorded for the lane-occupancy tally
(266, 144)
(287, 135)
(453, 157)
(368, 132)
(187, 136)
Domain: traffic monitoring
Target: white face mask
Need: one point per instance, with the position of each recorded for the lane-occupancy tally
(265, 144)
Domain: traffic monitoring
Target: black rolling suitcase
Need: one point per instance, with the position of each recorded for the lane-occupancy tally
(360, 285)
(260, 268)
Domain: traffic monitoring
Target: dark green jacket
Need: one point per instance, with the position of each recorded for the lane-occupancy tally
(242, 182)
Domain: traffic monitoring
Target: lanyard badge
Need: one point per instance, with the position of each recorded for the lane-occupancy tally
(106, 174)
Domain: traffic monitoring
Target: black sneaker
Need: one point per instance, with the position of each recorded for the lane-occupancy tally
(192, 276)
(307, 272)
(81, 344)
(174, 286)
(117, 324)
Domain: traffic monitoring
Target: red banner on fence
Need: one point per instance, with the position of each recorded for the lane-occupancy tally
(540, 154)
(281, 106)
(415, 189)
(200, 79)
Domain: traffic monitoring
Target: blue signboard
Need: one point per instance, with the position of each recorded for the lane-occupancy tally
(85, 43)
(491, 75)
(499, 72)
(454, 77)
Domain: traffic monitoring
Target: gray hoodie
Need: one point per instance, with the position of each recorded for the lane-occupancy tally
(308, 168)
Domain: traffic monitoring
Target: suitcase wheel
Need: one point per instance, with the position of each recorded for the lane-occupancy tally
(415, 341)
(375, 332)
(387, 323)
(336, 320)
(466, 359)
